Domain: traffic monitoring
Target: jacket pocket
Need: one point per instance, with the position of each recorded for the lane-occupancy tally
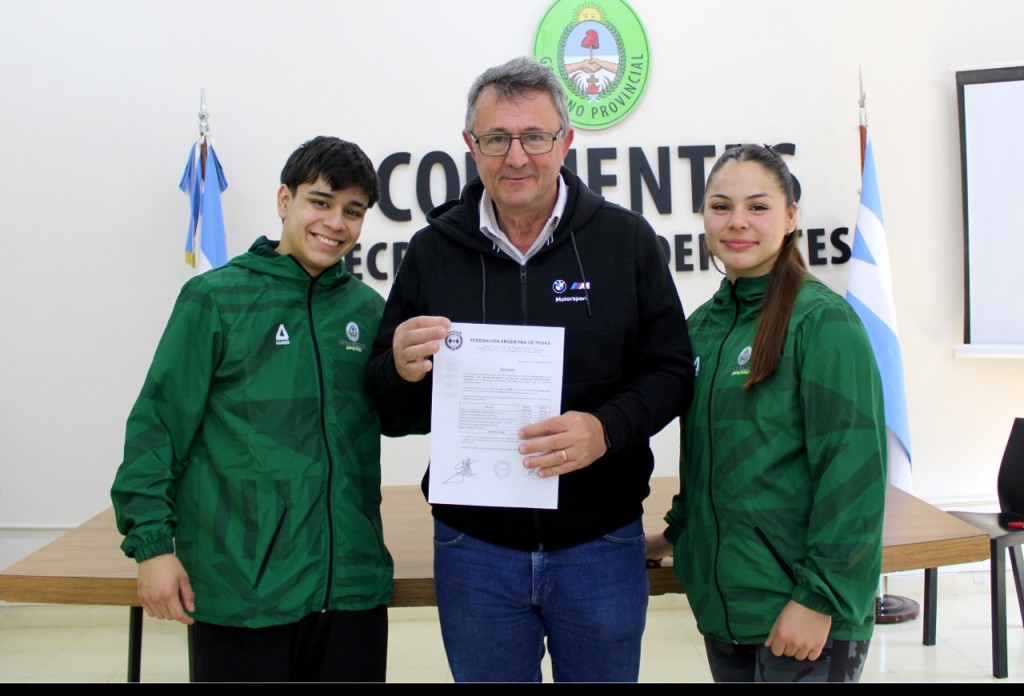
(775, 554)
(270, 549)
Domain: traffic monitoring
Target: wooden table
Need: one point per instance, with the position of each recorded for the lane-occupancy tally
(86, 566)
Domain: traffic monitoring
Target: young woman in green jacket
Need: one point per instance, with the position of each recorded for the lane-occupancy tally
(776, 533)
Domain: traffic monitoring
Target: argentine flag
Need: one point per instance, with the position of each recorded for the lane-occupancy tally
(207, 219)
(869, 291)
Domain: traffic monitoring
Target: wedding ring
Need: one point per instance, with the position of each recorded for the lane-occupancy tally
(565, 457)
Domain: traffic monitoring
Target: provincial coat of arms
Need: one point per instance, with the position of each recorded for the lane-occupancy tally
(599, 52)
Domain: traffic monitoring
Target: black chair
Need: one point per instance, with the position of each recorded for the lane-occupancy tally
(1002, 537)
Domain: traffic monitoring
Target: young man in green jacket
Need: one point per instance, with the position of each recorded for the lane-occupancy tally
(250, 487)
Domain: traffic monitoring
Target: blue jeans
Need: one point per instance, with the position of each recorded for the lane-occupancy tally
(498, 605)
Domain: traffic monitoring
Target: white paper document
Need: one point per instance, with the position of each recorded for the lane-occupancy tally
(489, 381)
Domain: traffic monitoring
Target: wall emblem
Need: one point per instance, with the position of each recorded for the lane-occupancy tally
(600, 54)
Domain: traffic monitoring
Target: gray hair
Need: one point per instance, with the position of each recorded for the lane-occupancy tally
(512, 80)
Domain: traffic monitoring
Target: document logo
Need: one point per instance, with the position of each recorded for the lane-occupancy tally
(453, 340)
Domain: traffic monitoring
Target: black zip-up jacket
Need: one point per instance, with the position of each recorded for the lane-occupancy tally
(603, 277)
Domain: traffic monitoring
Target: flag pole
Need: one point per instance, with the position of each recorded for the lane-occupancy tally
(888, 608)
(863, 121)
(204, 129)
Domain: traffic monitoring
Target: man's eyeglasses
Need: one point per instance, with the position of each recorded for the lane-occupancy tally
(498, 144)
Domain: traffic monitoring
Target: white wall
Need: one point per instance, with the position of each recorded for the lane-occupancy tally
(98, 110)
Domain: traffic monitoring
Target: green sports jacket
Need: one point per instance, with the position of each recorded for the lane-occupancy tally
(782, 487)
(252, 451)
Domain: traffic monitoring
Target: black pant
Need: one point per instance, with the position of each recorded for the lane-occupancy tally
(840, 661)
(333, 646)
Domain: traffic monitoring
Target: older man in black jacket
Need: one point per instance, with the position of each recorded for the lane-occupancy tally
(529, 244)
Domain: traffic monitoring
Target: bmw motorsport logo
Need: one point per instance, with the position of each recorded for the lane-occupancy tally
(600, 54)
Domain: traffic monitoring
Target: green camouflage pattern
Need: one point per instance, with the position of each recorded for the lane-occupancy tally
(252, 451)
(782, 487)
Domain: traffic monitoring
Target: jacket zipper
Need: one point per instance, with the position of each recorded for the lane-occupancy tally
(523, 292)
(327, 445)
(711, 455)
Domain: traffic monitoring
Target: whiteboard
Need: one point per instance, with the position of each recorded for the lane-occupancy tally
(991, 105)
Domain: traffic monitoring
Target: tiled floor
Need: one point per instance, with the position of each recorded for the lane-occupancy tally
(89, 644)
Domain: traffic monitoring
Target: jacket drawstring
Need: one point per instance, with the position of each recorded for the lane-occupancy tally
(483, 291)
(583, 276)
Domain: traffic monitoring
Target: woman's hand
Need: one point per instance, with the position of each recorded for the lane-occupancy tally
(799, 632)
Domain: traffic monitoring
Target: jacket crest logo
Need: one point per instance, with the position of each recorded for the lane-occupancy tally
(744, 356)
(352, 334)
(282, 336)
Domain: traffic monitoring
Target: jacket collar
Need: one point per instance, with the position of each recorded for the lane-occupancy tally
(263, 257)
